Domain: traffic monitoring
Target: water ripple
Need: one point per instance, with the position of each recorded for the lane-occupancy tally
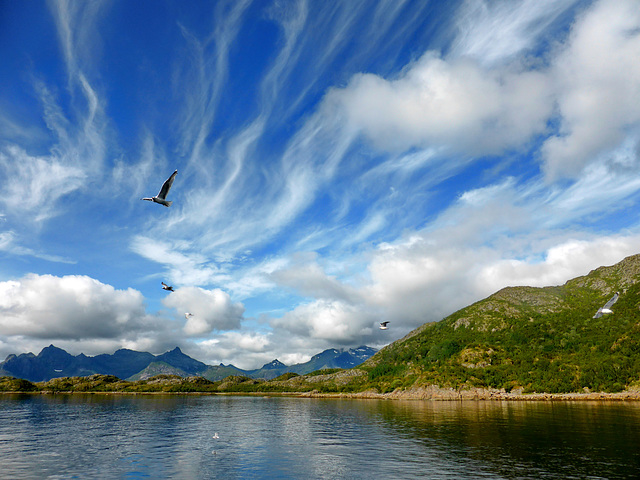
(106, 436)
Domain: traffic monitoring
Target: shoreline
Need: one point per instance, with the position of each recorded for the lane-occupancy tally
(450, 394)
(431, 393)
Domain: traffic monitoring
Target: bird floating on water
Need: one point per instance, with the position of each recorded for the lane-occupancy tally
(161, 198)
(607, 306)
(383, 325)
(215, 435)
(166, 287)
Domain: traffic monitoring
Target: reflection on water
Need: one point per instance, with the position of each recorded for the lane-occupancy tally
(112, 436)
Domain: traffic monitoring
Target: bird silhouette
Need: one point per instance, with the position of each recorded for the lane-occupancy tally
(161, 198)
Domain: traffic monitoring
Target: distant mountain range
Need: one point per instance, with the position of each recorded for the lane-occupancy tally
(54, 362)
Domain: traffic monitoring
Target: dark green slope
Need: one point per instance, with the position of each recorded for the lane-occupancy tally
(534, 339)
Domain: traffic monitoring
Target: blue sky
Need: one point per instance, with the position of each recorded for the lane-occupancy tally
(339, 164)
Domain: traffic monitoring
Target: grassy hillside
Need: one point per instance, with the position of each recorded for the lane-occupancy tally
(534, 339)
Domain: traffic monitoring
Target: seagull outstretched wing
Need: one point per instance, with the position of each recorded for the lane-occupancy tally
(613, 300)
(166, 186)
(607, 306)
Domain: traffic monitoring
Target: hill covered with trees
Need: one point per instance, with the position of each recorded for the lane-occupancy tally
(529, 339)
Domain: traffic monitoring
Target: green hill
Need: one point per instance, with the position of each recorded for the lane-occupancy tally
(525, 338)
(157, 368)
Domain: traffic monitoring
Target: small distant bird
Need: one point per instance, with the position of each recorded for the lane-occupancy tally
(166, 287)
(215, 435)
(607, 306)
(187, 315)
(164, 191)
(383, 325)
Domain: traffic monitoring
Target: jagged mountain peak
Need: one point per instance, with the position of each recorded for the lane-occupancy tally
(53, 351)
(54, 362)
(274, 364)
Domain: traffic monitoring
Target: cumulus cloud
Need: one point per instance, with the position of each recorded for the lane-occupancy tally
(245, 349)
(452, 103)
(308, 278)
(471, 103)
(73, 307)
(560, 263)
(331, 320)
(211, 309)
(597, 80)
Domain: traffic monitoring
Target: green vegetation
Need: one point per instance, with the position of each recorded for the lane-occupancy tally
(534, 339)
(522, 338)
(324, 371)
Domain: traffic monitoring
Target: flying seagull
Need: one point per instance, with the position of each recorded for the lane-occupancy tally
(166, 287)
(164, 191)
(187, 315)
(383, 325)
(607, 306)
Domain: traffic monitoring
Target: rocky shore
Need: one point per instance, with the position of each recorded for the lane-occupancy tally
(450, 394)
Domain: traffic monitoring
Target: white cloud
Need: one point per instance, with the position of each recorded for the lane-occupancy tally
(70, 308)
(597, 77)
(490, 238)
(9, 244)
(455, 104)
(329, 320)
(497, 31)
(308, 278)
(211, 309)
(476, 102)
(602, 188)
(37, 183)
(76, 28)
(183, 268)
(243, 349)
(76, 123)
(561, 263)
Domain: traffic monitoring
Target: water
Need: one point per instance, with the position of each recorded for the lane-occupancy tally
(107, 436)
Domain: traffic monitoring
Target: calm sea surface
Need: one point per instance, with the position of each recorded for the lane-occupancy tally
(105, 436)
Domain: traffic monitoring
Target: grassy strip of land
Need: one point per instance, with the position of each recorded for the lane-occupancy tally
(320, 381)
(343, 384)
